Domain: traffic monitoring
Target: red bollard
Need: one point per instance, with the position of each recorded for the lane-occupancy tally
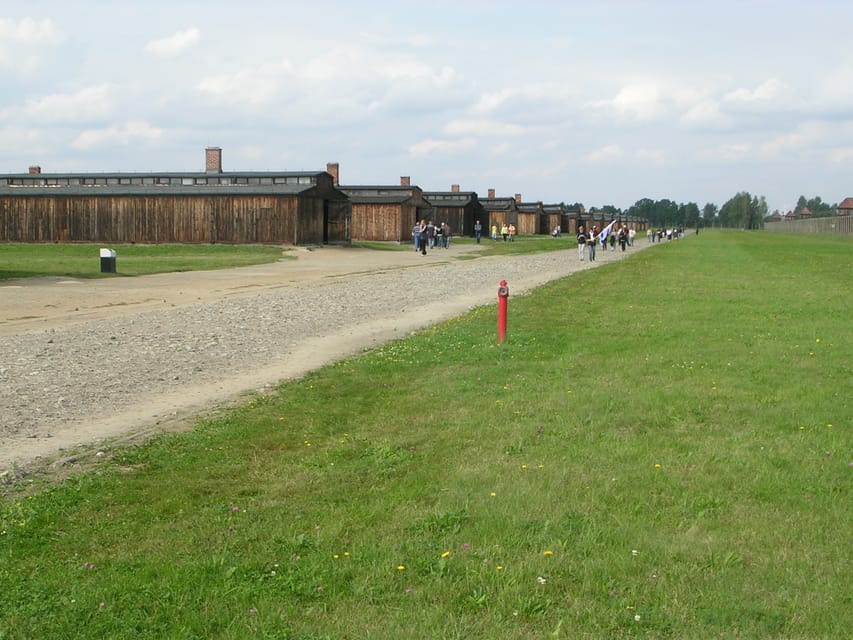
(503, 294)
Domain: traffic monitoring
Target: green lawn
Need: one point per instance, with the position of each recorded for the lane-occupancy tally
(661, 449)
(19, 260)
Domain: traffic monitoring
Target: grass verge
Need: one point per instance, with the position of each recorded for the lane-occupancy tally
(21, 260)
(661, 449)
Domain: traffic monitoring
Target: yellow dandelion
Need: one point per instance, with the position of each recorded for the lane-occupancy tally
(817, 340)
(446, 554)
(401, 567)
(547, 553)
(657, 466)
(493, 494)
(541, 466)
(336, 556)
(524, 466)
(499, 568)
(829, 426)
(346, 554)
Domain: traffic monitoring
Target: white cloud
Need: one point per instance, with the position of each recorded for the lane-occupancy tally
(21, 41)
(256, 85)
(416, 70)
(639, 102)
(430, 146)
(28, 31)
(494, 100)
(175, 44)
(606, 154)
(706, 114)
(485, 128)
(117, 134)
(767, 91)
(82, 106)
(651, 156)
(843, 155)
(733, 151)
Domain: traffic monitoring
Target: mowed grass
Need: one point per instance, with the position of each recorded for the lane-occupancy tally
(661, 449)
(20, 260)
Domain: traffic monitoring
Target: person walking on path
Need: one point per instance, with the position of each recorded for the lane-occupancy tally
(591, 241)
(422, 237)
(478, 230)
(511, 230)
(581, 243)
(494, 232)
(430, 233)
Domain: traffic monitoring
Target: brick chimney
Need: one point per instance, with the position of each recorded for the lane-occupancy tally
(334, 170)
(405, 181)
(35, 169)
(517, 198)
(213, 160)
(491, 193)
(454, 188)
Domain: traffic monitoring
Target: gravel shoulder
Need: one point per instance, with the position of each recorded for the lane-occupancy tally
(85, 365)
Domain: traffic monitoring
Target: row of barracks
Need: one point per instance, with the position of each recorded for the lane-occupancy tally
(270, 207)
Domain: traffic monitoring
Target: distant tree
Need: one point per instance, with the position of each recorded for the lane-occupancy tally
(709, 213)
(666, 213)
(744, 211)
(819, 208)
(688, 214)
(801, 204)
(643, 209)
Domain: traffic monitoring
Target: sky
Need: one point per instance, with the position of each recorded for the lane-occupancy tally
(601, 102)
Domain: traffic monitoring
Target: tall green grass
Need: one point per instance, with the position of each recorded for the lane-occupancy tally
(661, 449)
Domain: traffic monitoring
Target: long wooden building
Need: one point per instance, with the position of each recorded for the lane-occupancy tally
(459, 209)
(213, 206)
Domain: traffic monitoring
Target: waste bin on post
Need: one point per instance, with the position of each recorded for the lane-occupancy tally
(108, 261)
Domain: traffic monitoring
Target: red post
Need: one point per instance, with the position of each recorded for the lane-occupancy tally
(503, 294)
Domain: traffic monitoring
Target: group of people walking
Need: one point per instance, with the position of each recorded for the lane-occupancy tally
(427, 235)
(588, 241)
(507, 232)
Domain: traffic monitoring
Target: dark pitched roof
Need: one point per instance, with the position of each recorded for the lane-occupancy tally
(498, 204)
(847, 203)
(450, 198)
(529, 207)
(380, 194)
(168, 183)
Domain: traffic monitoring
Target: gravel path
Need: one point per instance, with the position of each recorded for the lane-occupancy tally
(83, 384)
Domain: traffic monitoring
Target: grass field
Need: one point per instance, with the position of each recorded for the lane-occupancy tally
(31, 260)
(20, 260)
(661, 449)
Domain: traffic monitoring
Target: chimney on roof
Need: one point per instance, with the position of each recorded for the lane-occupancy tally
(405, 181)
(491, 193)
(454, 188)
(213, 160)
(334, 170)
(35, 169)
(517, 198)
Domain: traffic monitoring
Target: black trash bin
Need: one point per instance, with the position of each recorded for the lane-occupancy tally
(108, 261)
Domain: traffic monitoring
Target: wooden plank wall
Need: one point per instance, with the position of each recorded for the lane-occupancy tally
(382, 222)
(528, 224)
(833, 224)
(153, 219)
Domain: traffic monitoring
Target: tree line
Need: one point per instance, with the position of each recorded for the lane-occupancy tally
(742, 211)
